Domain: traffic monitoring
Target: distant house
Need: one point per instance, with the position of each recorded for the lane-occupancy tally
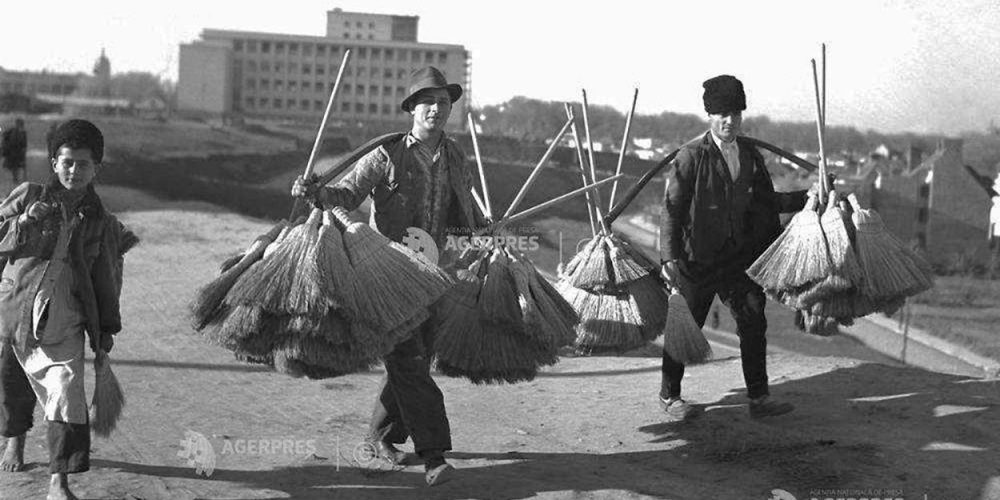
(937, 204)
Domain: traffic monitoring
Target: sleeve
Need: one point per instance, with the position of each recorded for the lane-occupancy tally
(791, 201)
(357, 185)
(677, 193)
(106, 275)
(12, 234)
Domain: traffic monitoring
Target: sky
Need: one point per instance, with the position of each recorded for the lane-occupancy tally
(921, 66)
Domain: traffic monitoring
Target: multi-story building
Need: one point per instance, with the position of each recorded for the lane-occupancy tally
(31, 83)
(283, 76)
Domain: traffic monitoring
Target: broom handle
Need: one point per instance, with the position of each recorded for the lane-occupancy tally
(621, 153)
(296, 205)
(538, 168)
(593, 171)
(641, 183)
(555, 201)
(823, 66)
(583, 167)
(809, 167)
(819, 133)
(479, 202)
(488, 207)
(326, 115)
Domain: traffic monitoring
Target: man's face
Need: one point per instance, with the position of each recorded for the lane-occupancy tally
(726, 126)
(431, 108)
(75, 168)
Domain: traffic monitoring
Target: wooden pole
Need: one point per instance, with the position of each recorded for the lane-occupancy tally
(624, 148)
(538, 168)
(593, 169)
(482, 172)
(583, 167)
(322, 130)
(542, 206)
(819, 133)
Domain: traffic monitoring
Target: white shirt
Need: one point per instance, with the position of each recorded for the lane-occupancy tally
(730, 153)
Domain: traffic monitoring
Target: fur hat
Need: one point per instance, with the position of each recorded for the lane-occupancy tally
(77, 134)
(724, 94)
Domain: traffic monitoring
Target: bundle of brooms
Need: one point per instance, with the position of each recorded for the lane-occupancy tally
(323, 296)
(503, 321)
(614, 287)
(838, 266)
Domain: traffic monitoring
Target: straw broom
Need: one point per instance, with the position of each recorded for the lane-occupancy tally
(683, 339)
(393, 283)
(208, 301)
(890, 269)
(109, 399)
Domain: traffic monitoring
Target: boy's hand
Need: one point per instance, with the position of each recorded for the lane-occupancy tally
(38, 210)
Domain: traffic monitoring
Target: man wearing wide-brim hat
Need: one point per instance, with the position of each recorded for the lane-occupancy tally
(420, 181)
(720, 213)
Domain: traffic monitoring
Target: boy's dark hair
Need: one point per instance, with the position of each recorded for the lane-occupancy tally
(77, 134)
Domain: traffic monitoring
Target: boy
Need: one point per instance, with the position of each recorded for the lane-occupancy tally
(62, 278)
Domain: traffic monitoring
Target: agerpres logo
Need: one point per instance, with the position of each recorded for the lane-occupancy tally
(198, 451)
(780, 494)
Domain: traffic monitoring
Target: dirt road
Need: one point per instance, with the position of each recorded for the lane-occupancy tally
(587, 428)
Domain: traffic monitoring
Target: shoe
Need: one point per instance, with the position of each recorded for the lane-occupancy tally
(439, 475)
(388, 452)
(764, 406)
(677, 409)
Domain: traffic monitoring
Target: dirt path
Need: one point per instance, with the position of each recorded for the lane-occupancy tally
(587, 428)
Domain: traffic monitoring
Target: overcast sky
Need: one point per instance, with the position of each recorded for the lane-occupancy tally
(922, 66)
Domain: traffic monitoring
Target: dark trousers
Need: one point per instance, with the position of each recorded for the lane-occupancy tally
(410, 403)
(745, 299)
(69, 444)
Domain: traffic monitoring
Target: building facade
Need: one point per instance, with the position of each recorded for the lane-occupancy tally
(31, 83)
(289, 77)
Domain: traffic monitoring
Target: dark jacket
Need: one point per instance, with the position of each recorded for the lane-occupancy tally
(95, 252)
(389, 175)
(15, 145)
(710, 219)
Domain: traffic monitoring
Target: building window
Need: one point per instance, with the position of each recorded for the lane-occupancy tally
(415, 56)
(357, 24)
(277, 104)
(922, 215)
(359, 89)
(293, 48)
(279, 47)
(347, 70)
(400, 91)
(371, 36)
(248, 102)
(386, 109)
(265, 47)
(265, 84)
(293, 86)
(373, 90)
(358, 36)
(345, 107)
(347, 35)
(251, 83)
(428, 57)
(442, 58)
(376, 53)
(307, 49)
(347, 24)
(362, 52)
(371, 26)
(279, 85)
(265, 66)
(320, 69)
(251, 66)
(359, 108)
(304, 104)
(262, 103)
(387, 90)
(388, 54)
(293, 67)
(307, 69)
(307, 86)
(290, 103)
(387, 74)
(238, 45)
(373, 109)
(924, 191)
(401, 74)
(321, 50)
(278, 67)
(347, 89)
(317, 105)
(252, 46)
(373, 72)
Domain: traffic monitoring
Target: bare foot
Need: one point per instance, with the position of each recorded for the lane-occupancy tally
(13, 455)
(59, 488)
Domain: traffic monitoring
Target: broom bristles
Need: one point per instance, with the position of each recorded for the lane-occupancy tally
(798, 257)
(595, 268)
(889, 266)
(109, 399)
(683, 340)
(626, 270)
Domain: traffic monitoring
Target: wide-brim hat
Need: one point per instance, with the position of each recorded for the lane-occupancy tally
(429, 78)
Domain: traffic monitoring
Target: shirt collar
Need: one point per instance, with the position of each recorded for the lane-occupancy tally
(722, 145)
(412, 140)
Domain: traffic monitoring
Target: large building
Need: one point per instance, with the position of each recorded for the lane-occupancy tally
(281, 76)
(31, 83)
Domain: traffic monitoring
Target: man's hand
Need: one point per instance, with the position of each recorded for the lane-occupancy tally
(669, 273)
(302, 188)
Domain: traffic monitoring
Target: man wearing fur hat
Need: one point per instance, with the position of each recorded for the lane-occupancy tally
(720, 213)
(420, 181)
(61, 283)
